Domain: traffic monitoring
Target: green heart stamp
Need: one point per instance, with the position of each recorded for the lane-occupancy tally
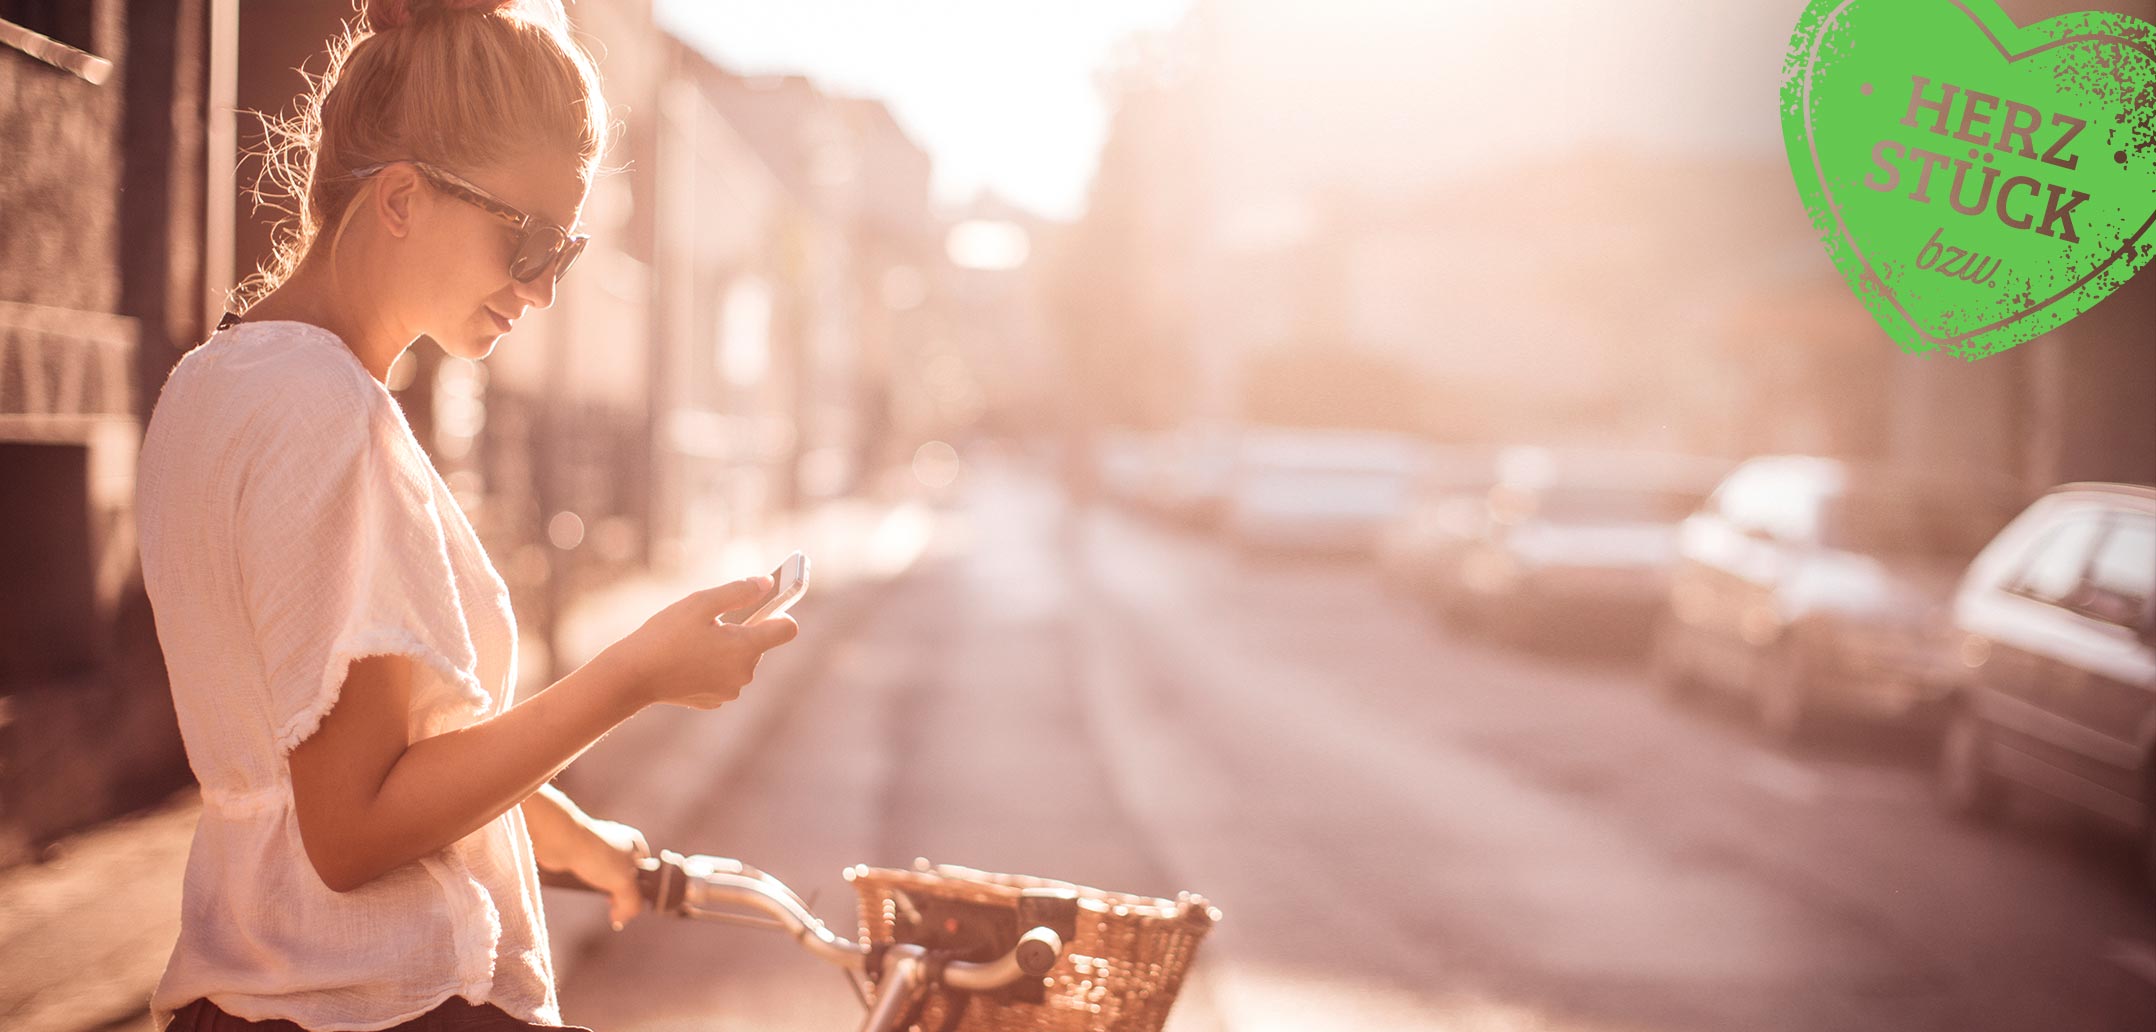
(1976, 182)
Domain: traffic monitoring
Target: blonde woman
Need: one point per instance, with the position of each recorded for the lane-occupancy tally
(341, 651)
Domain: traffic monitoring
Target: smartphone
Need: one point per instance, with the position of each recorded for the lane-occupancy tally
(788, 583)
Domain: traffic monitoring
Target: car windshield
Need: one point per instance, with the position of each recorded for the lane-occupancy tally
(1328, 490)
(1947, 526)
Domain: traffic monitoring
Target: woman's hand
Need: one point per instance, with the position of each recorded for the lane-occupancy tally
(685, 656)
(604, 855)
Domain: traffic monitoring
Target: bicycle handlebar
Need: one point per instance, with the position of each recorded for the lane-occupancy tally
(718, 888)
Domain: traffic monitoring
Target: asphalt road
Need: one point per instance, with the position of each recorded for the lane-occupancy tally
(1405, 830)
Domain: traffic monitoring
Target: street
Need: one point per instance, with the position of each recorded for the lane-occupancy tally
(1404, 830)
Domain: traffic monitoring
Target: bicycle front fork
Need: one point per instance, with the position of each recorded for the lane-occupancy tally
(904, 982)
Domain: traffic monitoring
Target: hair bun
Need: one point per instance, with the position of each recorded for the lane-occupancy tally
(389, 14)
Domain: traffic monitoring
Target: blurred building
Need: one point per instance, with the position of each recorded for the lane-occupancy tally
(862, 248)
(2073, 404)
(1373, 214)
(794, 290)
(991, 365)
(728, 445)
(101, 232)
(898, 300)
(1119, 281)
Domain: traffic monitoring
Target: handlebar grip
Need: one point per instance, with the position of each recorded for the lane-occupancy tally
(1037, 951)
(661, 880)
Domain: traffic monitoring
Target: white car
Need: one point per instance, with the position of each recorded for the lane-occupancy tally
(1319, 491)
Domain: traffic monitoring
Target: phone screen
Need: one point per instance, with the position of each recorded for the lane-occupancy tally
(788, 581)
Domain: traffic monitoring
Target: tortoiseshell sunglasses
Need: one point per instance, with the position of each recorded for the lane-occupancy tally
(540, 244)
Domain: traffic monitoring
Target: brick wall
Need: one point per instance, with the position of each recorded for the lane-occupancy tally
(60, 175)
(97, 189)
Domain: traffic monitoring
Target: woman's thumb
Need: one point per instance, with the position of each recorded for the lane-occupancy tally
(711, 602)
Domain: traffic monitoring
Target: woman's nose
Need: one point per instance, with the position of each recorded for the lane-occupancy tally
(540, 291)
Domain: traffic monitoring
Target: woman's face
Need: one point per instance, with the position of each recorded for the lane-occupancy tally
(459, 282)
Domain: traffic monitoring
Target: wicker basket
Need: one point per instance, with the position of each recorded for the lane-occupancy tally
(1123, 961)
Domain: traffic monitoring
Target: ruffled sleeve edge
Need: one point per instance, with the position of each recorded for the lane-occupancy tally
(462, 684)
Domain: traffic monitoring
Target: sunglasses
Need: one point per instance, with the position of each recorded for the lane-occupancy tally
(541, 245)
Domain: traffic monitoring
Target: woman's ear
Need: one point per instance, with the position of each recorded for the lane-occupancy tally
(396, 191)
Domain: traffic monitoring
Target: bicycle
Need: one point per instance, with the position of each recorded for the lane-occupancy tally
(953, 949)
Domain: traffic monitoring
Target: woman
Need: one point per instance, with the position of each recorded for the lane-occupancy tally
(342, 653)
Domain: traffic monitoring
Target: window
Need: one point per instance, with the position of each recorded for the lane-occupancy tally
(2052, 570)
(2122, 575)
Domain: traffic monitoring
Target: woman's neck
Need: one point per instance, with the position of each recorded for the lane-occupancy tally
(304, 298)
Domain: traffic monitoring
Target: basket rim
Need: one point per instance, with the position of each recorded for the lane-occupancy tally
(1188, 906)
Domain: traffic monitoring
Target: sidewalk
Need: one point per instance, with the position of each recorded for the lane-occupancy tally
(85, 934)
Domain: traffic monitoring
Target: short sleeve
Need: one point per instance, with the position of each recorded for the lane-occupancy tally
(343, 555)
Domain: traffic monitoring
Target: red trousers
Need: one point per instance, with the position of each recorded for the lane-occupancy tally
(455, 1014)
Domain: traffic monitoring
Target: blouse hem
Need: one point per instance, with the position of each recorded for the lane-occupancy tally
(246, 1011)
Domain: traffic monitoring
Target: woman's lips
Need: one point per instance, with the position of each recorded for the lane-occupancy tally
(501, 322)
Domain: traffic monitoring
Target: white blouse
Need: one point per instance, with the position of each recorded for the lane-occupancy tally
(290, 523)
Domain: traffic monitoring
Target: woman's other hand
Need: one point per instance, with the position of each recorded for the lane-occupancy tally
(604, 855)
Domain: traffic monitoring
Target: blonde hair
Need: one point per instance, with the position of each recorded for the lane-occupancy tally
(463, 83)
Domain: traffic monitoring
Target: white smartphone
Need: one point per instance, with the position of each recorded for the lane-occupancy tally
(788, 583)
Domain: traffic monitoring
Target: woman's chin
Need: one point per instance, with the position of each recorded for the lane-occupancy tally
(476, 347)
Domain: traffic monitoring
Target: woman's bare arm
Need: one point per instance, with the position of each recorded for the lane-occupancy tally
(367, 802)
(551, 818)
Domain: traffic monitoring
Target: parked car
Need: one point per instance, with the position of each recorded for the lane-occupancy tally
(1318, 491)
(1124, 460)
(1190, 481)
(1814, 587)
(1580, 540)
(2057, 626)
(1445, 510)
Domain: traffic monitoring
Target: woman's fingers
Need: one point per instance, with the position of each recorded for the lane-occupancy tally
(623, 904)
(710, 602)
(772, 632)
(626, 900)
(683, 656)
(610, 865)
